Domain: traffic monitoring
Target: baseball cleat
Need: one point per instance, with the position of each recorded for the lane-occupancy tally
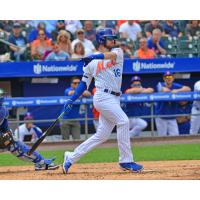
(133, 167)
(51, 166)
(66, 163)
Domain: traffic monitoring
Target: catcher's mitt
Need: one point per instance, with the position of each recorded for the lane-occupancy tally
(6, 139)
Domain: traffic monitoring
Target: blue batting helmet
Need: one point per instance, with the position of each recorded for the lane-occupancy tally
(104, 33)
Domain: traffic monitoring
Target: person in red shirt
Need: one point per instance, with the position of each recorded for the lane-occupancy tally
(144, 52)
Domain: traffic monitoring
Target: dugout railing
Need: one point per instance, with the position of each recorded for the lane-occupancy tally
(150, 98)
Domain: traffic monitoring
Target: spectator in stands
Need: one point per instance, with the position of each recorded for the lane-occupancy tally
(68, 125)
(193, 29)
(60, 25)
(90, 32)
(40, 46)
(135, 109)
(4, 49)
(73, 25)
(35, 32)
(6, 27)
(131, 30)
(144, 52)
(168, 125)
(126, 49)
(57, 54)
(184, 107)
(155, 43)
(28, 131)
(17, 53)
(149, 27)
(171, 29)
(88, 45)
(63, 41)
(112, 24)
(79, 50)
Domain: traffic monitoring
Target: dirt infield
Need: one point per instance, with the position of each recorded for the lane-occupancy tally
(160, 170)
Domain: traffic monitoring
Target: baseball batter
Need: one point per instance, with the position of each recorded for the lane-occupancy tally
(195, 125)
(106, 69)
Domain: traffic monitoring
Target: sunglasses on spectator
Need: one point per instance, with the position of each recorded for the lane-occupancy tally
(135, 84)
(75, 83)
(79, 33)
(169, 77)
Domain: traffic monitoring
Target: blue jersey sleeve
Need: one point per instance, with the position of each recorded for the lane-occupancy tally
(176, 86)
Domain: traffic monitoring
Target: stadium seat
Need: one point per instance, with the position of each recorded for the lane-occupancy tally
(187, 47)
(170, 46)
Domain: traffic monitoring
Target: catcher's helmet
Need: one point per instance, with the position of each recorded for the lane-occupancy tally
(104, 33)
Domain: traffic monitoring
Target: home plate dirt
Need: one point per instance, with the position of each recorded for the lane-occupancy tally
(160, 170)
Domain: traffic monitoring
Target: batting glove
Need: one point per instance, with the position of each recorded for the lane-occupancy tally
(68, 105)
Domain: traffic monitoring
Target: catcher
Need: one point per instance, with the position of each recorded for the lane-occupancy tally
(19, 149)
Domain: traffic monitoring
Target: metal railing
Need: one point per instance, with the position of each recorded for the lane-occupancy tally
(152, 116)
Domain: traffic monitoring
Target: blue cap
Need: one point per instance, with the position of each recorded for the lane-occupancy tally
(135, 78)
(168, 73)
(28, 116)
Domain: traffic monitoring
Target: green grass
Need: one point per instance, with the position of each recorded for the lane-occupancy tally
(141, 153)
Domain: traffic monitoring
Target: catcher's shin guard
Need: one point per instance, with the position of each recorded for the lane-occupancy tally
(20, 150)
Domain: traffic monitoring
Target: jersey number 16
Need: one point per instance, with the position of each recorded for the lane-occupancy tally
(117, 72)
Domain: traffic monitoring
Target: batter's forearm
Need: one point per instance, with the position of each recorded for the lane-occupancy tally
(79, 91)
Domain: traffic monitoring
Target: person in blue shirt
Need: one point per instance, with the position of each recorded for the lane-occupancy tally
(168, 125)
(16, 38)
(57, 54)
(133, 110)
(34, 33)
(68, 125)
(171, 29)
(155, 43)
(184, 107)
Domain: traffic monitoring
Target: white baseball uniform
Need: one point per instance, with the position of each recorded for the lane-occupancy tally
(107, 75)
(22, 131)
(195, 125)
(136, 126)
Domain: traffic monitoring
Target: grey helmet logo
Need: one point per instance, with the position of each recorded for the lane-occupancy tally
(136, 66)
(37, 69)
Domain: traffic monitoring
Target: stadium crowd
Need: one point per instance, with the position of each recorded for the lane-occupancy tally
(59, 40)
(64, 39)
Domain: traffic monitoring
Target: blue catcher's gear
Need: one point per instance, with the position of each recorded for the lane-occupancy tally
(103, 34)
(3, 114)
(19, 149)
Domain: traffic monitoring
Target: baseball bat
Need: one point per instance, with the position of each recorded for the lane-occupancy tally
(8, 43)
(47, 132)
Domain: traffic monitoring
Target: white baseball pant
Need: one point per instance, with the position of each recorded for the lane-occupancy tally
(111, 114)
(136, 126)
(96, 123)
(195, 121)
(165, 126)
